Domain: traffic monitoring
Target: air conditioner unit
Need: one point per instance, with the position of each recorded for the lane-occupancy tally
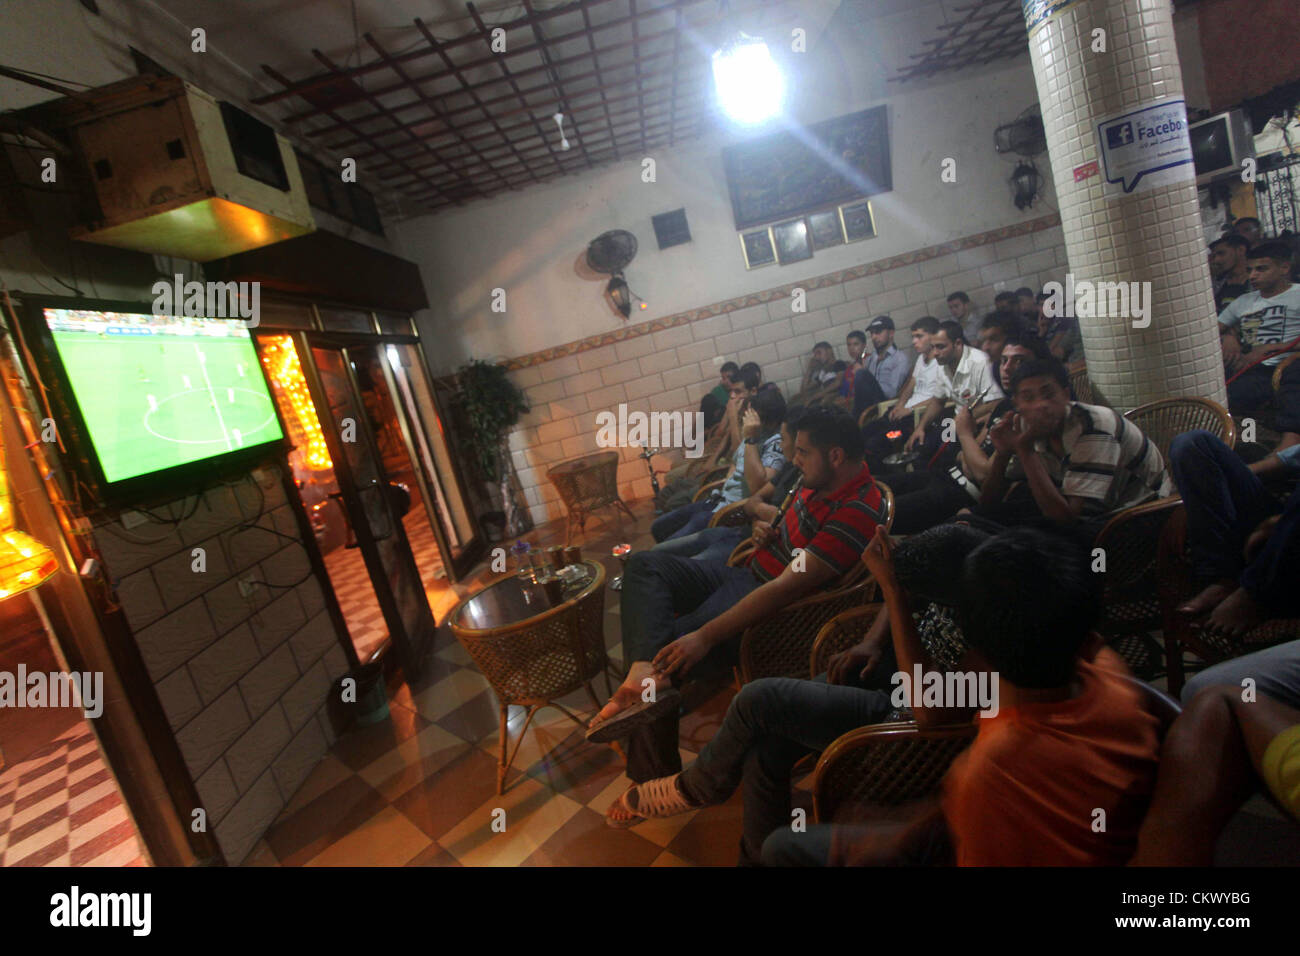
(175, 172)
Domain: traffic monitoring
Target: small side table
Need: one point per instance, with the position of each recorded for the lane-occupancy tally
(586, 484)
(534, 651)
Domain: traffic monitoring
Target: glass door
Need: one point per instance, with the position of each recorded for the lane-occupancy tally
(459, 540)
(353, 423)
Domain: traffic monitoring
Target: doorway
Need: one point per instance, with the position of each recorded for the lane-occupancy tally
(376, 476)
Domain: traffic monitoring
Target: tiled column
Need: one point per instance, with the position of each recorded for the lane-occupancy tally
(1151, 235)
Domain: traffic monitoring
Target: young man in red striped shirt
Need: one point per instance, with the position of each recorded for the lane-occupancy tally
(682, 616)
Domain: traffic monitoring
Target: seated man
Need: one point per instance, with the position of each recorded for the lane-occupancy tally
(1070, 737)
(914, 393)
(1063, 461)
(885, 370)
(758, 457)
(714, 404)
(1268, 317)
(994, 331)
(774, 722)
(962, 311)
(682, 616)
(856, 342)
(1229, 512)
(716, 544)
(965, 377)
(1228, 268)
(1213, 757)
(820, 369)
(925, 497)
(754, 368)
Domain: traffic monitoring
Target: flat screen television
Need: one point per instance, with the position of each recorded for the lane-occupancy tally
(150, 403)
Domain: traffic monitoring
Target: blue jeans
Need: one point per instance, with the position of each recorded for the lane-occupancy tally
(665, 596)
(770, 724)
(711, 544)
(1275, 670)
(1225, 502)
(683, 521)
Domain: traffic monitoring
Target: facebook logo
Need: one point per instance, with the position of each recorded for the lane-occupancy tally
(1121, 134)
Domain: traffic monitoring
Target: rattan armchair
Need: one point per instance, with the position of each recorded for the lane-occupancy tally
(730, 516)
(885, 765)
(872, 412)
(1281, 367)
(840, 633)
(1175, 585)
(1130, 605)
(706, 490)
(1162, 421)
(781, 645)
(894, 763)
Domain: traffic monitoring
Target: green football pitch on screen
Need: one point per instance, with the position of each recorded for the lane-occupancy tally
(152, 402)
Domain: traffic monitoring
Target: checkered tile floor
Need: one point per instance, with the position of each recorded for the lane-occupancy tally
(420, 788)
(61, 807)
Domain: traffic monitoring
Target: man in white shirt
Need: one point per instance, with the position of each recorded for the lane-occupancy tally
(964, 376)
(1268, 320)
(916, 391)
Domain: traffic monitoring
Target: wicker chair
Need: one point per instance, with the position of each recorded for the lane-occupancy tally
(888, 764)
(730, 516)
(1176, 586)
(706, 490)
(585, 484)
(840, 633)
(1130, 606)
(1281, 367)
(885, 765)
(1162, 421)
(781, 645)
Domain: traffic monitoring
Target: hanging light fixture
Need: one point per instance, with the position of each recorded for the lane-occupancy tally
(620, 296)
(25, 563)
(1026, 182)
(750, 86)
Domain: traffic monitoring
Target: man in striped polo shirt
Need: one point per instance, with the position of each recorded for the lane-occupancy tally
(678, 613)
(1075, 464)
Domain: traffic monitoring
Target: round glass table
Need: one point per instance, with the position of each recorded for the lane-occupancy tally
(534, 650)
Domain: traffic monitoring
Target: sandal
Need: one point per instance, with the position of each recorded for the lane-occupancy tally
(630, 718)
(655, 799)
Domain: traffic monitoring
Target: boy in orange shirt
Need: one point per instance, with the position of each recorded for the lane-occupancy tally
(1063, 773)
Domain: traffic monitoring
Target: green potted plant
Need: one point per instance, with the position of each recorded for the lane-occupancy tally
(491, 405)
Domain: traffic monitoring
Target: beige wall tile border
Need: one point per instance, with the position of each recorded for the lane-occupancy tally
(781, 292)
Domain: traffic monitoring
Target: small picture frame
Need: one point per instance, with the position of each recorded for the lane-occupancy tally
(827, 230)
(758, 247)
(857, 220)
(793, 241)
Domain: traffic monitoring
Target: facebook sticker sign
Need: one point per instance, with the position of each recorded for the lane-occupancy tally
(1145, 148)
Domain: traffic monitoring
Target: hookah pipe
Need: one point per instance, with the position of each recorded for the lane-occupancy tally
(646, 456)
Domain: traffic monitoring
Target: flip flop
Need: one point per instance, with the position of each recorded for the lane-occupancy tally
(630, 718)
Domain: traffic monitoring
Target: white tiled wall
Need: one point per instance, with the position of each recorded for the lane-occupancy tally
(672, 369)
(243, 680)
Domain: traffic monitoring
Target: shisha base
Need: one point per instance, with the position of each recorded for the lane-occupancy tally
(622, 552)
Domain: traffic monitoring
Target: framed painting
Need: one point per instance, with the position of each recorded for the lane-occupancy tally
(783, 175)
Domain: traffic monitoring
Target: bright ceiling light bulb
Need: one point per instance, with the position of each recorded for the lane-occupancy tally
(750, 85)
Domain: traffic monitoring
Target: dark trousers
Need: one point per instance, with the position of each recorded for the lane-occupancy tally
(1253, 391)
(928, 844)
(770, 724)
(923, 499)
(684, 520)
(866, 391)
(664, 597)
(1225, 502)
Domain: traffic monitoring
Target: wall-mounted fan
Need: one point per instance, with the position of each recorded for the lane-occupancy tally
(609, 253)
